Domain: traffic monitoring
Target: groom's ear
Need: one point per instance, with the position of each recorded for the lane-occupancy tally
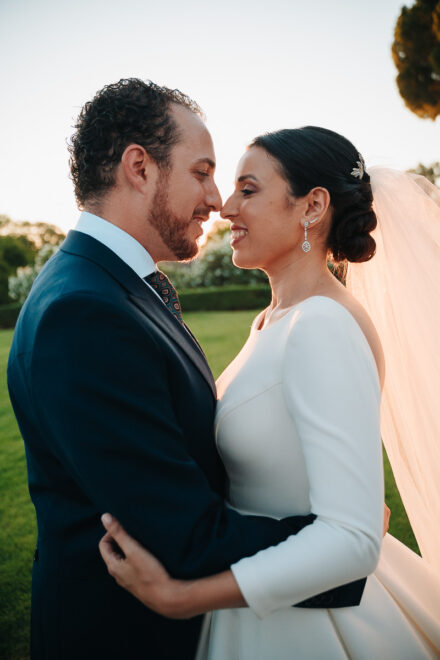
(138, 168)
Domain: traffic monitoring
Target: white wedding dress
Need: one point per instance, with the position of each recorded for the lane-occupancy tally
(298, 429)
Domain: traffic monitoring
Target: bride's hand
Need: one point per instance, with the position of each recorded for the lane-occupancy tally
(140, 573)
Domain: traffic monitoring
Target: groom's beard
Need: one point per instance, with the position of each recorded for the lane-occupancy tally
(172, 229)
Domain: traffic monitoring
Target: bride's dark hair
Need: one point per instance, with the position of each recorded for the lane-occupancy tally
(310, 157)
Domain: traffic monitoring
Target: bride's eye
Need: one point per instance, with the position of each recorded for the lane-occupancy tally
(247, 191)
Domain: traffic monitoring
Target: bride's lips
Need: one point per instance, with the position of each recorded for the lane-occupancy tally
(238, 233)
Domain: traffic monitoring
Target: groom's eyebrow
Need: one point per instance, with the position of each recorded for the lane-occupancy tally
(209, 161)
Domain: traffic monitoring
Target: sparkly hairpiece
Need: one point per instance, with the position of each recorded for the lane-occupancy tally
(358, 171)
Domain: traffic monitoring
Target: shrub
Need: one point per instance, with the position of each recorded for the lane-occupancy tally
(213, 268)
(21, 283)
(9, 315)
(192, 300)
(15, 251)
(236, 297)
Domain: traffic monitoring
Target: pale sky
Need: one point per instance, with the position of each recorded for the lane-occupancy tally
(252, 65)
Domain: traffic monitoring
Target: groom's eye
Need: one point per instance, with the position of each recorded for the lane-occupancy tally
(200, 173)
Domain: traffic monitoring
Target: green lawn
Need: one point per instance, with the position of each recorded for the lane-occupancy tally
(221, 335)
(17, 528)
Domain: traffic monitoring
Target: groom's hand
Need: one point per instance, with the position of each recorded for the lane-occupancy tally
(386, 519)
(139, 572)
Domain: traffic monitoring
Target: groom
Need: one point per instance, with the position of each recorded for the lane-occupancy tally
(113, 395)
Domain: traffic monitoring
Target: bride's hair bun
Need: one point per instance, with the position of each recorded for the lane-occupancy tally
(311, 157)
(353, 220)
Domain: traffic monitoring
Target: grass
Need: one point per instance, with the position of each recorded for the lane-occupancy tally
(221, 334)
(17, 529)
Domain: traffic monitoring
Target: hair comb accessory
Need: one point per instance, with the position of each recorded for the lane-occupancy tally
(359, 171)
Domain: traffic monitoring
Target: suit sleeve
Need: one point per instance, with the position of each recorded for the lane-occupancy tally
(101, 388)
(332, 392)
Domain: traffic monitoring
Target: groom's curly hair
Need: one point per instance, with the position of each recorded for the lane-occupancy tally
(127, 112)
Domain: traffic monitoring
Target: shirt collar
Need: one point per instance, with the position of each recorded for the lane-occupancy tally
(122, 244)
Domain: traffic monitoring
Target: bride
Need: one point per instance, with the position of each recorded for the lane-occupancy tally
(298, 423)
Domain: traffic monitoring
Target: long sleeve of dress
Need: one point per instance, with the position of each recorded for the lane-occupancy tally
(331, 389)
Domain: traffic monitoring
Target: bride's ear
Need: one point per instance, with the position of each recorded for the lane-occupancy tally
(317, 205)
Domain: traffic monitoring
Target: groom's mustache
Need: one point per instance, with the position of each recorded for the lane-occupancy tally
(202, 212)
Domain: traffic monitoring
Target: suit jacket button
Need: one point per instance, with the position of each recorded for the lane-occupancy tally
(36, 554)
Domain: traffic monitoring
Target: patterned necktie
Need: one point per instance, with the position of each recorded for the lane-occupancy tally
(160, 283)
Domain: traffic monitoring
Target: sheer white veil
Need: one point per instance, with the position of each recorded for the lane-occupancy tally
(400, 289)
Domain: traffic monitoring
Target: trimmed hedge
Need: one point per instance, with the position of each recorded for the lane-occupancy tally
(255, 296)
(219, 298)
(9, 315)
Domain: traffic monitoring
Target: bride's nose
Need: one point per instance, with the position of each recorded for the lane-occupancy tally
(229, 209)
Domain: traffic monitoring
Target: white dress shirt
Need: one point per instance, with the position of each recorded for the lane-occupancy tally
(118, 241)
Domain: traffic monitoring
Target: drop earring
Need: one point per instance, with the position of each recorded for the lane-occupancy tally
(306, 247)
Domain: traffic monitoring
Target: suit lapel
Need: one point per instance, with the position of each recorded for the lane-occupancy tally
(142, 296)
(168, 323)
(194, 338)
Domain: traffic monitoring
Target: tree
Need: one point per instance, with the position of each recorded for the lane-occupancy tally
(39, 233)
(21, 243)
(416, 54)
(15, 252)
(431, 172)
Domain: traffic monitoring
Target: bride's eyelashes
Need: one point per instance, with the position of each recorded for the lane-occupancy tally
(247, 191)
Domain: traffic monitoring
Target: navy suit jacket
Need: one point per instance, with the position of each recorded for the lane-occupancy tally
(115, 402)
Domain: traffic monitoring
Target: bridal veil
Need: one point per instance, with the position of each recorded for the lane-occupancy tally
(400, 289)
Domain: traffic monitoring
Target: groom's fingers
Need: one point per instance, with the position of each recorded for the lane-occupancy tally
(114, 559)
(108, 553)
(125, 542)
